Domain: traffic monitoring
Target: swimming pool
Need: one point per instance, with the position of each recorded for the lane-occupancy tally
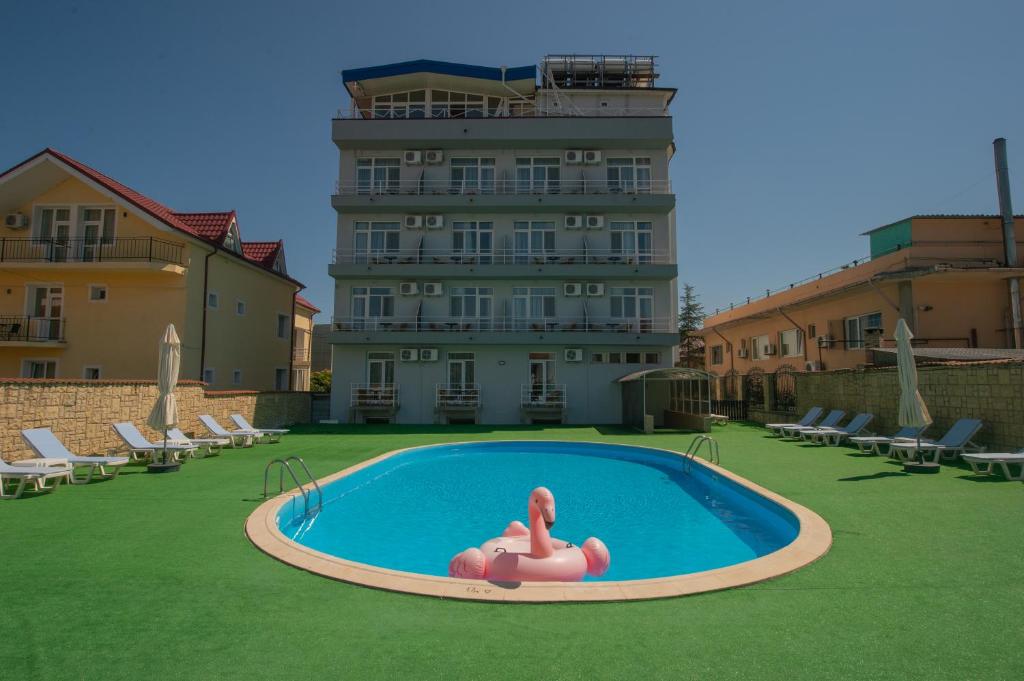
(663, 518)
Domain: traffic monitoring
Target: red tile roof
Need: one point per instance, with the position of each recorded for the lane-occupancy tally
(306, 304)
(262, 252)
(210, 226)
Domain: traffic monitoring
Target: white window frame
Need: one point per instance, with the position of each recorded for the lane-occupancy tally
(475, 297)
(103, 237)
(482, 180)
(106, 293)
(88, 367)
(534, 304)
(628, 302)
(401, 104)
(370, 181)
(629, 174)
(215, 303)
(632, 239)
(233, 240)
(721, 355)
(857, 343)
(797, 349)
(386, 358)
(365, 230)
(384, 296)
(26, 361)
(757, 344)
(536, 182)
(542, 230)
(476, 231)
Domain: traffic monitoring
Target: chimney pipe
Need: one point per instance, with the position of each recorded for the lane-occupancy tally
(1009, 236)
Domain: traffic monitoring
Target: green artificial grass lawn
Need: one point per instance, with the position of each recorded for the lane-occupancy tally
(149, 577)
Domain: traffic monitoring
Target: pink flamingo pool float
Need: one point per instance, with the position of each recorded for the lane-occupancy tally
(524, 554)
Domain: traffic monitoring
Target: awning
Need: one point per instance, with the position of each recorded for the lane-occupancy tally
(666, 374)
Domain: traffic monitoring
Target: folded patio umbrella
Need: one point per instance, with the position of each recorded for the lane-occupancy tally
(913, 410)
(165, 412)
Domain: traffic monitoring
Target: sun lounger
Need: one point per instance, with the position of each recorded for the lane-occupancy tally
(20, 476)
(872, 444)
(140, 447)
(271, 434)
(212, 445)
(812, 415)
(956, 442)
(984, 463)
(831, 420)
(834, 436)
(239, 438)
(46, 445)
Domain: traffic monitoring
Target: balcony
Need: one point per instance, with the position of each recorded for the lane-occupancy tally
(500, 330)
(300, 356)
(500, 263)
(27, 331)
(33, 251)
(453, 397)
(374, 396)
(542, 396)
(506, 196)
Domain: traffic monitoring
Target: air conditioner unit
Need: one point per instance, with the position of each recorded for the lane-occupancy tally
(771, 349)
(591, 157)
(434, 221)
(573, 354)
(595, 222)
(824, 341)
(574, 156)
(742, 353)
(433, 156)
(599, 357)
(812, 366)
(408, 288)
(572, 289)
(433, 289)
(574, 222)
(412, 158)
(595, 289)
(409, 354)
(429, 354)
(16, 221)
(413, 222)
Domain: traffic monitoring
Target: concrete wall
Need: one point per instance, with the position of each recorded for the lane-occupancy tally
(80, 413)
(992, 392)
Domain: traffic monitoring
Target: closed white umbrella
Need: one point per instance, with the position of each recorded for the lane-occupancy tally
(913, 410)
(165, 412)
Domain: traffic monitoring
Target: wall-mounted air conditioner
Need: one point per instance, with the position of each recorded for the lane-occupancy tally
(572, 289)
(742, 353)
(408, 288)
(433, 289)
(592, 156)
(812, 366)
(574, 222)
(574, 156)
(16, 221)
(825, 341)
(412, 158)
(595, 222)
(413, 222)
(433, 156)
(409, 354)
(429, 354)
(595, 289)
(434, 221)
(573, 354)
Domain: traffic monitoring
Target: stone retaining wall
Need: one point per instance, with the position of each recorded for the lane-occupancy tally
(992, 392)
(80, 413)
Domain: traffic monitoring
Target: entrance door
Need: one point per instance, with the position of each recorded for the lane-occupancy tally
(461, 369)
(46, 304)
(380, 369)
(542, 375)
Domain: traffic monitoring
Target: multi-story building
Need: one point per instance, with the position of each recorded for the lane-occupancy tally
(302, 343)
(506, 247)
(946, 275)
(91, 272)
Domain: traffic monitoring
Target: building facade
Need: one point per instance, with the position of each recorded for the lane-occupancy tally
(945, 274)
(302, 343)
(506, 247)
(91, 273)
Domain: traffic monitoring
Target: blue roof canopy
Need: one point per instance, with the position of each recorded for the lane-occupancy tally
(440, 67)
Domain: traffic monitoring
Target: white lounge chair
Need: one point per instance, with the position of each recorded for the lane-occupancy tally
(872, 444)
(20, 476)
(956, 442)
(46, 445)
(271, 434)
(139, 446)
(238, 438)
(834, 436)
(831, 420)
(984, 463)
(212, 445)
(812, 415)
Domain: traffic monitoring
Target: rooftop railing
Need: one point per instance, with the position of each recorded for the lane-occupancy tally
(501, 256)
(541, 396)
(526, 110)
(118, 249)
(28, 329)
(422, 187)
(413, 324)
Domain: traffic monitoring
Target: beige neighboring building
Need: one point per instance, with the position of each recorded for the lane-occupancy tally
(945, 274)
(91, 272)
(302, 343)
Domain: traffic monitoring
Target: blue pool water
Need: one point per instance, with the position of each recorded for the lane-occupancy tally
(414, 511)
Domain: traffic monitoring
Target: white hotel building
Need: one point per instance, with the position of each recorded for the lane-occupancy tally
(506, 240)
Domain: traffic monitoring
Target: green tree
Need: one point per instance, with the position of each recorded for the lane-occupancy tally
(691, 320)
(320, 381)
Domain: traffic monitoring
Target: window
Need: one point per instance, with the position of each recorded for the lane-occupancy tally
(39, 368)
(236, 377)
(472, 242)
(91, 373)
(209, 375)
(380, 368)
(632, 358)
(717, 356)
(440, 104)
(615, 358)
(542, 375)
(631, 241)
(280, 379)
(791, 343)
(759, 347)
(531, 307)
(240, 307)
(46, 308)
(377, 241)
(373, 302)
(633, 304)
(447, 104)
(283, 326)
(461, 369)
(53, 223)
(855, 328)
(212, 300)
(629, 175)
(400, 105)
(472, 303)
(95, 227)
(534, 241)
(537, 175)
(97, 293)
(472, 176)
(652, 358)
(378, 175)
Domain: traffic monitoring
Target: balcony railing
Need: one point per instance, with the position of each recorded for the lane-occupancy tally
(543, 396)
(504, 324)
(532, 110)
(457, 395)
(138, 249)
(374, 395)
(423, 256)
(300, 355)
(424, 187)
(29, 329)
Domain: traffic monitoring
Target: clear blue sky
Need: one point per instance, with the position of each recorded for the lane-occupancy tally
(799, 124)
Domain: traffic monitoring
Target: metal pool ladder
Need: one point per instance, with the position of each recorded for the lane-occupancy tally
(284, 465)
(695, 446)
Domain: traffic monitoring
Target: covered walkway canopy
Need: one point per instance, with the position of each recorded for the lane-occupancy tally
(677, 397)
